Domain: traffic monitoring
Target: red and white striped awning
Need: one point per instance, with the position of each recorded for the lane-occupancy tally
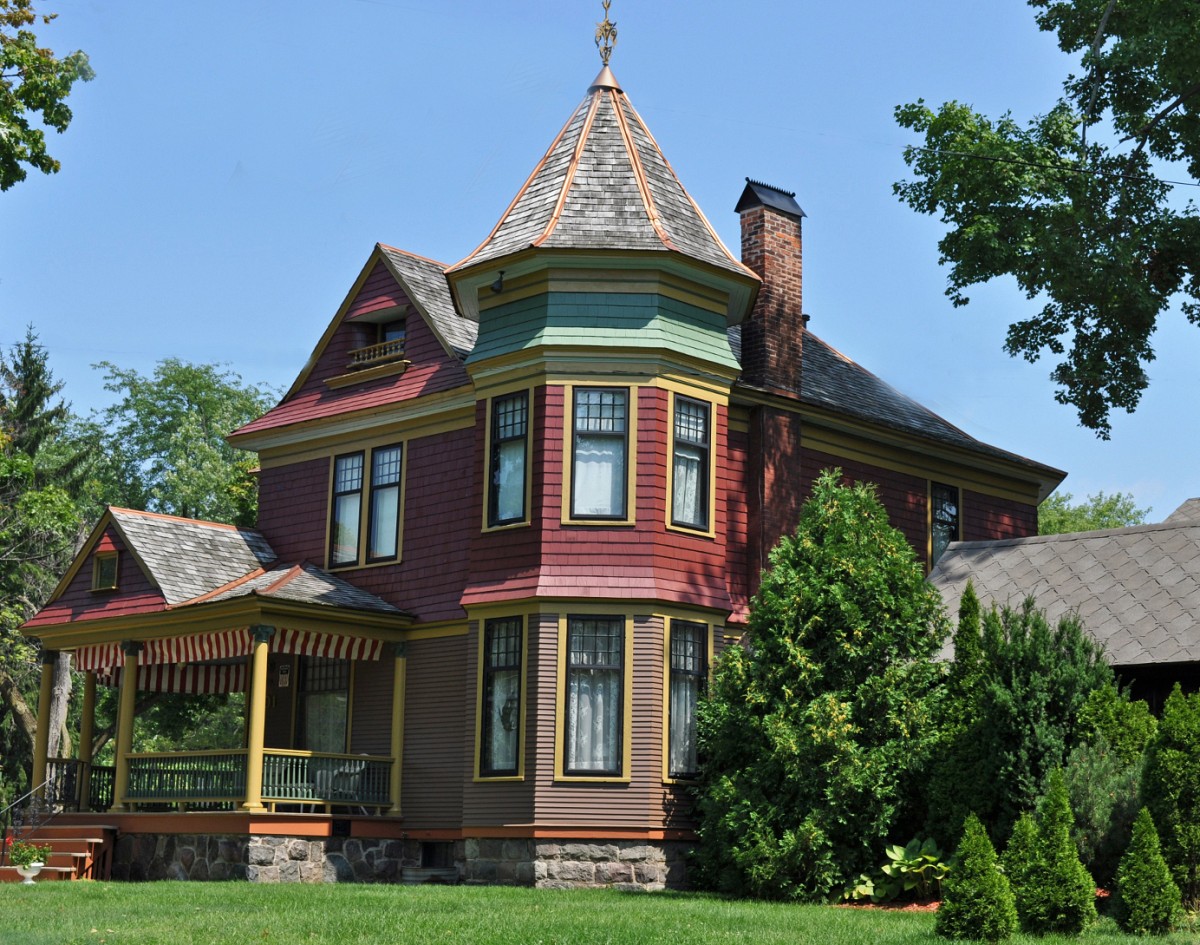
(225, 645)
(194, 678)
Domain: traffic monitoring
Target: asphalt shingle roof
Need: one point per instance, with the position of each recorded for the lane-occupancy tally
(1136, 590)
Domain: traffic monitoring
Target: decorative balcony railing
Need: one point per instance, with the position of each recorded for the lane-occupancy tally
(381, 353)
(187, 777)
(68, 778)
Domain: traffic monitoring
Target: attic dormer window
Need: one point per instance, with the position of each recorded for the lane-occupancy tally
(388, 347)
(104, 571)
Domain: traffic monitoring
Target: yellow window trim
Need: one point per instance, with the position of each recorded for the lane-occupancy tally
(481, 631)
(710, 632)
(364, 511)
(98, 560)
(560, 710)
(487, 461)
(568, 450)
(711, 530)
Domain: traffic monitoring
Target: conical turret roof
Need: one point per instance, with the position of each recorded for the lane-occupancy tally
(604, 184)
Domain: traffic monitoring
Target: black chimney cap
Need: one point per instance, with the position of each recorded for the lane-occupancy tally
(758, 194)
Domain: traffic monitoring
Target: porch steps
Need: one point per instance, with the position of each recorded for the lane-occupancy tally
(78, 851)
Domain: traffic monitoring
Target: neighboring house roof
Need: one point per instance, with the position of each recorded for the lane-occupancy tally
(604, 184)
(834, 382)
(1136, 590)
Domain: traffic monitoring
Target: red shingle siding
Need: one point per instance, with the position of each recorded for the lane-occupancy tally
(434, 718)
(986, 517)
(134, 595)
(293, 507)
(736, 487)
(778, 486)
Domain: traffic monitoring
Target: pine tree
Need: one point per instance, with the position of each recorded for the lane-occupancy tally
(1147, 900)
(977, 900)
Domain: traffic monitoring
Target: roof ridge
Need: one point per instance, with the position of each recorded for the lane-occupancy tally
(639, 174)
(286, 578)
(405, 252)
(572, 167)
(228, 586)
(182, 519)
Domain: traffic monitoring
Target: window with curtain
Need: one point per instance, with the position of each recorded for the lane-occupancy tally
(324, 703)
(506, 487)
(689, 670)
(383, 532)
(690, 453)
(943, 520)
(346, 512)
(599, 453)
(501, 710)
(594, 671)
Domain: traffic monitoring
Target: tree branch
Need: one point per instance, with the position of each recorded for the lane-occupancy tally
(1145, 130)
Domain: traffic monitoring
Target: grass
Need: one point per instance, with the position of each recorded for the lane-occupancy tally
(171, 913)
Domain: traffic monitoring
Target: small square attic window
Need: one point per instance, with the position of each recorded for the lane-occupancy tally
(104, 571)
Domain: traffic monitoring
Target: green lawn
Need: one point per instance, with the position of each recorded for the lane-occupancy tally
(242, 913)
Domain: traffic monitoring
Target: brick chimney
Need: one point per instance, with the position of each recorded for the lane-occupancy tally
(773, 334)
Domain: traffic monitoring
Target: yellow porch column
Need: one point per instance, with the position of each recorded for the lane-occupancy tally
(126, 703)
(399, 681)
(257, 718)
(42, 740)
(87, 732)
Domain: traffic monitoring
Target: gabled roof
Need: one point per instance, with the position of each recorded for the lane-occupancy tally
(604, 184)
(425, 281)
(833, 382)
(1136, 590)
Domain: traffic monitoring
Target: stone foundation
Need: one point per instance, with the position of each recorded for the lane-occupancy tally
(562, 864)
(261, 859)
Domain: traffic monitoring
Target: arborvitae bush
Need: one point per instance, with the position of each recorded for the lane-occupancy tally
(816, 732)
(977, 901)
(1147, 899)
(1171, 789)
(1058, 895)
(1022, 858)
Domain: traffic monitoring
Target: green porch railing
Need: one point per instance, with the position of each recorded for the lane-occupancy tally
(321, 778)
(187, 776)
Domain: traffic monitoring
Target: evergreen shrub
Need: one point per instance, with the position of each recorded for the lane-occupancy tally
(977, 901)
(1147, 900)
(1171, 789)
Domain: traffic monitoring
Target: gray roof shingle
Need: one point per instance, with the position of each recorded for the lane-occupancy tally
(1137, 590)
(425, 281)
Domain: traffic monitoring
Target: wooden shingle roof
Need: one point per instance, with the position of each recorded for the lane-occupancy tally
(1136, 590)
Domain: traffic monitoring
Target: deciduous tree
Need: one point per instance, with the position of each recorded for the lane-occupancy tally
(1060, 513)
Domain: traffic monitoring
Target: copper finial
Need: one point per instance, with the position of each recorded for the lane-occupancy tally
(606, 35)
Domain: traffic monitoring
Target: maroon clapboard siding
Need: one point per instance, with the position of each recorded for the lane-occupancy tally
(432, 370)
(293, 502)
(986, 517)
(134, 594)
(431, 794)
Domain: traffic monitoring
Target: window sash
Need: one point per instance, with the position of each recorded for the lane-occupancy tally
(499, 742)
(690, 474)
(383, 529)
(688, 675)
(346, 519)
(943, 518)
(506, 490)
(594, 696)
(599, 473)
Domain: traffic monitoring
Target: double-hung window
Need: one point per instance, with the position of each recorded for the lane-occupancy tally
(324, 704)
(943, 518)
(500, 714)
(690, 464)
(595, 661)
(688, 672)
(600, 453)
(506, 472)
(366, 506)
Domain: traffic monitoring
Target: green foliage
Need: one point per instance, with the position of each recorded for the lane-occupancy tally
(1125, 724)
(1104, 790)
(916, 867)
(978, 901)
(816, 731)
(1084, 228)
(1013, 718)
(23, 853)
(1023, 854)
(165, 441)
(1171, 790)
(1147, 899)
(33, 87)
(1057, 515)
(1056, 894)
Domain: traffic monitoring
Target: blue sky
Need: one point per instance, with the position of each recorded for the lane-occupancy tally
(232, 165)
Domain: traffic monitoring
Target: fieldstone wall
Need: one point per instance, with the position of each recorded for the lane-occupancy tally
(621, 864)
(262, 859)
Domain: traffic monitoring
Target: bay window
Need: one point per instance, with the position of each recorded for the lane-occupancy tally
(500, 714)
(595, 662)
(690, 464)
(599, 453)
(688, 673)
(506, 468)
